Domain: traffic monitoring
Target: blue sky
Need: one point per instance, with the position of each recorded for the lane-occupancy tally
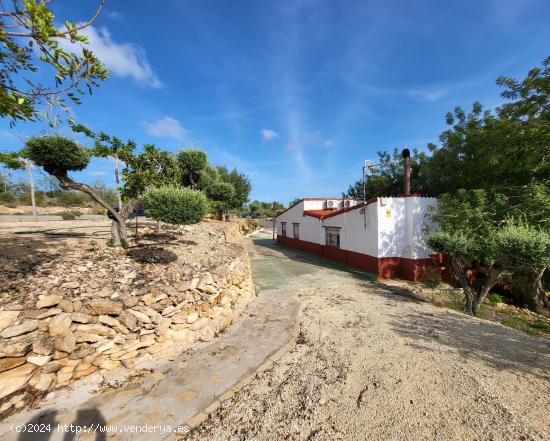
(296, 94)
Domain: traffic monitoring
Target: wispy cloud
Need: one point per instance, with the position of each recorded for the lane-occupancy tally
(113, 15)
(427, 95)
(97, 173)
(268, 134)
(122, 59)
(166, 127)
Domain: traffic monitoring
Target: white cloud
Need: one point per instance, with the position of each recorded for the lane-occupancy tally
(122, 59)
(166, 127)
(429, 96)
(113, 15)
(97, 173)
(268, 134)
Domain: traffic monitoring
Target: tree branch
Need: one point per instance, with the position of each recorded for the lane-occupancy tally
(58, 34)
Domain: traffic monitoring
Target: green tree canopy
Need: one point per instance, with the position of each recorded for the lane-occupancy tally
(175, 205)
(32, 41)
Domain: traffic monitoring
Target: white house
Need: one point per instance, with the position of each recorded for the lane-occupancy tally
(384, 236)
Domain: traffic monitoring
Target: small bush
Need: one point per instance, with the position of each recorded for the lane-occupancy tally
(511, 323)
(432, 278)
(6, 197)
(543, 325)
(494, 298)
(175, 205)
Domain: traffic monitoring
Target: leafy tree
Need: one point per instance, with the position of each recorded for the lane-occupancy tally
(192, 164)
(474, 226)
(31, 41)
(295, 201)
(222, 196)
(387, 177)
(151, 168)
(240, 183)
(58, 156)
(175, 205)
(106, 146)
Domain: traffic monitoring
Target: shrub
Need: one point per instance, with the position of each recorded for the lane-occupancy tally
(6, 197)
(432, 279)
(494, 298)
(175, 205)
(523, 246)
(454, 244)
(56, 154)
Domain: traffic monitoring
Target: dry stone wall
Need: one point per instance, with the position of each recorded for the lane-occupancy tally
(63, 338)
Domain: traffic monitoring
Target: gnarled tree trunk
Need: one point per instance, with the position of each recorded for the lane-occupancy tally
(528, 290)
(119, 234)
(484, 285)
(474, 298)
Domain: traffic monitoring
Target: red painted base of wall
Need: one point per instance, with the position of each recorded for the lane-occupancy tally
(384, 268)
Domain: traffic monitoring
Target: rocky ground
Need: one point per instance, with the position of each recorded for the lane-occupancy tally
(72, 307)
(374, 363)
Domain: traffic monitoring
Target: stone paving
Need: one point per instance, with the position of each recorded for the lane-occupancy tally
(176, 391)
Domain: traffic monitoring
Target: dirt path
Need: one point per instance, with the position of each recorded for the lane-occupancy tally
(370, 364)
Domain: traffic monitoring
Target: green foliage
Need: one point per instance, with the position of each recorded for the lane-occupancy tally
(295, 201)
(31, 41)
(494, 298)
(432, 279)
(150, 168)
(192, 164)
(56, 154)
(541, 324)
(240, 183)
(455, 244)
(175, 205)
(265, 209)
(7, 197)
(71, 198)
(522, 246)
(387, 178)
(221, 195)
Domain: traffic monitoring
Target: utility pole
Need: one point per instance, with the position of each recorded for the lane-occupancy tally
(28, 167)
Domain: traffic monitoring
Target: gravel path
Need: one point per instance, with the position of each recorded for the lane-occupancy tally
(372, 364)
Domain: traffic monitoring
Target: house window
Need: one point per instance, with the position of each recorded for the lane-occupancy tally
(296, 231)
(332, 236)
(283, 228)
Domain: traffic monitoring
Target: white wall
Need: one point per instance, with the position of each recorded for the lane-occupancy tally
(310, 227)
(395, 226)
(401, 223)
(353, 235)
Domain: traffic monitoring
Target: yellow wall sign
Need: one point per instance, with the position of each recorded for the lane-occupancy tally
(388, 212)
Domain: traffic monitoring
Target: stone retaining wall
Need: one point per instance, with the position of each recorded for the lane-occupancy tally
(62, 340)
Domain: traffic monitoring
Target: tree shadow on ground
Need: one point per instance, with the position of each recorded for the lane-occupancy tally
(24, 255)
(152, 254)
(473, 339)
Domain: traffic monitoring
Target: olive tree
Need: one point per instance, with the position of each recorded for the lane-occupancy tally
(31, 40)
(175, 205)
(221, 195)
(474, 228)
(58, 156)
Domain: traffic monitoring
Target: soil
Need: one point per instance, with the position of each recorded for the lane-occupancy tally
(374, 363)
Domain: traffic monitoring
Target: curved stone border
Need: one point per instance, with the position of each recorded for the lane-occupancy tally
(200, 417)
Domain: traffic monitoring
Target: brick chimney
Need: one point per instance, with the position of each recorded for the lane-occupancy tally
(406, 171)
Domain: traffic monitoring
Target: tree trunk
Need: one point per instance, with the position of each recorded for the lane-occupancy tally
(28, 166)
(119, 235)
(484, 285)
(528, 290)
(469, 294)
